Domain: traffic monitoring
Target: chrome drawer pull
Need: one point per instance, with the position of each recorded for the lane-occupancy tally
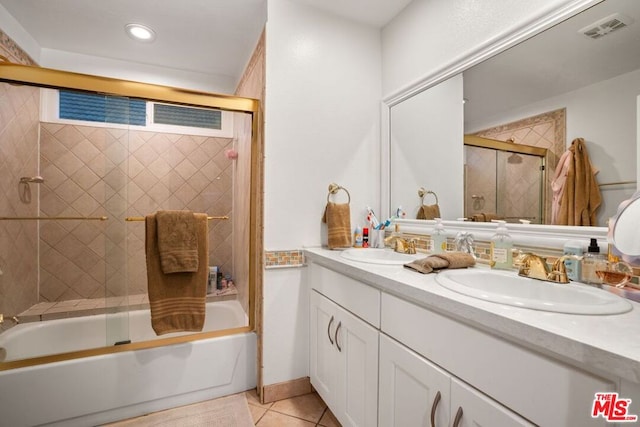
(434, 406)
(329, 330)
(336, 336)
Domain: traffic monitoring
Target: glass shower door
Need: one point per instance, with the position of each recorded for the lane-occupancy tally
(519, 187)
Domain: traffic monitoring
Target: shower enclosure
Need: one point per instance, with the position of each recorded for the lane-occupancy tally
(82, 160)
(504, 181)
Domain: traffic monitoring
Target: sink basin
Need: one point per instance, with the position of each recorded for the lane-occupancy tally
(378, 256)
(511, 289)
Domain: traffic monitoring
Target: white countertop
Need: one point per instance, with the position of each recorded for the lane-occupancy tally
(603, 344)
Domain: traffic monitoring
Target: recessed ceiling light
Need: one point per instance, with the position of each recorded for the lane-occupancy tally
(140, 32)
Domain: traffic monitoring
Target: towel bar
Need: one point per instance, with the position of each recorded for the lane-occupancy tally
(141, 218)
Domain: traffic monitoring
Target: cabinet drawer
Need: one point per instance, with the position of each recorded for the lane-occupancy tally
(543, 390)
(358, 298)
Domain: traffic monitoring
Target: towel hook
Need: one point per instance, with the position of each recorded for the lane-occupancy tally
(422, 192)
(334, 188)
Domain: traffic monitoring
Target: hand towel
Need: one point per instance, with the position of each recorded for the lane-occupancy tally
(177, 300)
(428, 212)
(441, 261)
(177, 242)
(337, 216)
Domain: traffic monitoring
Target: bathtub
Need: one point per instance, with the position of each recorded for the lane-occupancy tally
(104, 388)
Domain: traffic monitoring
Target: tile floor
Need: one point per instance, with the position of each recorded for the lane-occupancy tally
(302, 411)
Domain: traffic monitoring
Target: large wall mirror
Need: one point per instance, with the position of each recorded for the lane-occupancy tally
(578, 79)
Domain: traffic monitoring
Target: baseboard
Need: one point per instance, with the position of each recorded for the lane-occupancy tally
(286, 389)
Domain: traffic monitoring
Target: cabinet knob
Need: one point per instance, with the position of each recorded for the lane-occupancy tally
(329, 330)
(456, 420)
(336, 336)
(434, 406)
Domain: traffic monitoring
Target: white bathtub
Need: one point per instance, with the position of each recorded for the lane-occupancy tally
(35, 339)
(100, 389)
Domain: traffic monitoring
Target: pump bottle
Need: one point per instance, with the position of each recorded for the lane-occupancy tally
(438, 238)
(501, 248)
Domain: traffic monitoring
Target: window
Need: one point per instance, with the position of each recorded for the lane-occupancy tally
(91, 109)
(94, 107)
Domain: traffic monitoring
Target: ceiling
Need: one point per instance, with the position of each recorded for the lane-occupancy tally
(556, 61)
(206, 36)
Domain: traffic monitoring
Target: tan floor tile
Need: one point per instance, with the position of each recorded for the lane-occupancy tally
(308, 407)
(253, 399)
(256, 413)
(329, 420)
(276, 419)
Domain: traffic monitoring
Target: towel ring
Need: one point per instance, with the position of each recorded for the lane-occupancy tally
(422, 192)
(334, 188)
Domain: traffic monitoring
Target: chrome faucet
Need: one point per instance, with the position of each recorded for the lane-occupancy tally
(536, 267)
(464, 243)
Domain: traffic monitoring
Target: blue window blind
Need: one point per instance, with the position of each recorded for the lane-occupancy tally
(102, 108)
(187, 116)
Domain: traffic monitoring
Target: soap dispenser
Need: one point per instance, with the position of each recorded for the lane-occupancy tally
(593, 261)
(501, 248)
(438, 238)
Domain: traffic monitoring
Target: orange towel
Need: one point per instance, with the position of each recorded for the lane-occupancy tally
(441, 261)
(428, 212)
(177, 300)
(177, 242)
(337, 216)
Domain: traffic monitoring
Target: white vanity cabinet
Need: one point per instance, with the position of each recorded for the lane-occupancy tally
(378, 359)
(415, 392)
(508, 377)
(344, 351)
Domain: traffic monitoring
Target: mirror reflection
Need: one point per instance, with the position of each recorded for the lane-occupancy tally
(579, 79)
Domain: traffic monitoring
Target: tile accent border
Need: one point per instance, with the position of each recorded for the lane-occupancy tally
(286, 390)
(283, 259)
(15, 52)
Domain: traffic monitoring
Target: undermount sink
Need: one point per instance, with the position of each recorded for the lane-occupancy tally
(378, 256)
(508, 288)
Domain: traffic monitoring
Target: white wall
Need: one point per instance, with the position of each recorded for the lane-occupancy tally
(605, 115)
(13, 29)
(322, 126)
(430, 34)
(95, 65)
(435, 115)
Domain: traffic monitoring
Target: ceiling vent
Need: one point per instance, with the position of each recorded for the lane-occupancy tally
(606, 26)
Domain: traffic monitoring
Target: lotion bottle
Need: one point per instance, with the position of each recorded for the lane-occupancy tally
(501, 248)
(438, 238)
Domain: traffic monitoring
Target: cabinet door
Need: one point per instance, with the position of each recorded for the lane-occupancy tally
(356, 344)
(470, 408)
(413, 391)
(323, 364)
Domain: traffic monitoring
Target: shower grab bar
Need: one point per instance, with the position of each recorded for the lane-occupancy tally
(53, 218)
(141, 218)
(617, 183)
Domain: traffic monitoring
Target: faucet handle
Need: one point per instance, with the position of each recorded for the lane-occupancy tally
(558, 272)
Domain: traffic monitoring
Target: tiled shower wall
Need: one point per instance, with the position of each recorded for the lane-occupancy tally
(93, 171)
(19, 109)
(547, 130)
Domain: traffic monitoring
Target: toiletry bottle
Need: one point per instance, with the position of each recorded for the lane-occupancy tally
(438, 238)
(501, 246)
(593, 261)
(357, 238)
(365, 237)
(573, 265)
